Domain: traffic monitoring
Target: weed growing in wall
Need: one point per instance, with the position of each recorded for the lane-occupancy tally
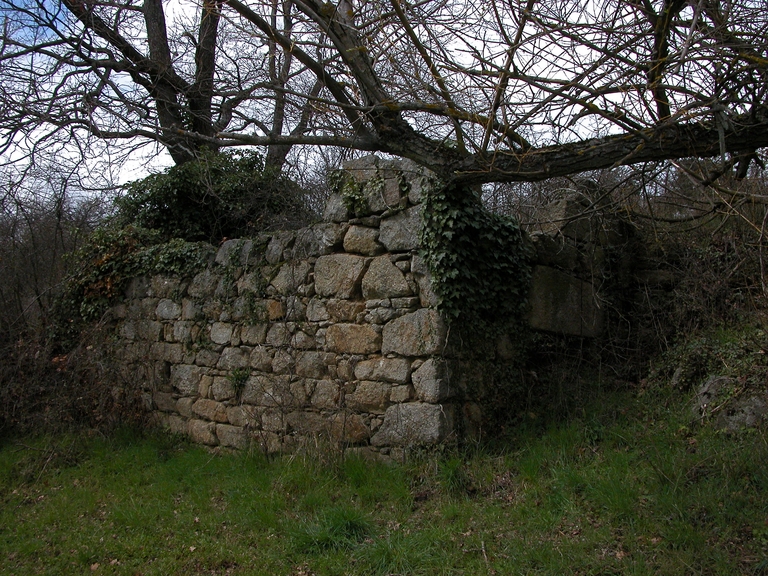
(480, 268)
(351, 191)
(238, 378)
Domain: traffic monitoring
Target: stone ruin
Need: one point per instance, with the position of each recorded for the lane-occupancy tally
(332, 330)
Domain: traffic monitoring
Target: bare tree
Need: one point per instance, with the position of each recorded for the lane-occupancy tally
(124, 72)
(478, 90)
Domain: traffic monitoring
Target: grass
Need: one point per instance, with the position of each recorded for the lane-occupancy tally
(630, 487)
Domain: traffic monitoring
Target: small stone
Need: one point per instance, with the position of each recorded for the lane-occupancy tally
(221, 332)
(423, 278)
(384, 280)
(363, 240)
(316, 310)
(128, 330)
(339, 275)
(222, 389)
(278, 245)
(278, 336)
(364, 168)
(231, 436)
(734, 413)
(400, 233)
(182, 331)
(405, 303)
(206, 381)
(203, 285)
(369, 396)
(168, 309)
(149, 330)
(273, 421)
(302, 341)
(251, 283)
(349, 428)
(261, 359)
(206, 358)
(420, 333)
(242, 416)
(275, 310)
(295, 309)
(353, 339)
(176, 424)
(282, 363)
(311, 364)
(318, 240)
(345, 370)
(326, 395)
(210, 409)
(202, 432)
(400, 394)
(234, 252)
(167, 351)
(336, 209)
(184, 406)
(185, 379)
(255, 334)
(389, 369)
(343, 310)
(190, 310)
(307, 423)
(270, 390)
(233, 358)
(431, 381)
(164, 401)
(413, 424)
(290, 277)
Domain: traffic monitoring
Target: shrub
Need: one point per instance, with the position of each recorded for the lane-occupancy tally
(220, 195)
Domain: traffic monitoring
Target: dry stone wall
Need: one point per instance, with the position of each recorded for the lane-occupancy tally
(326, 331)
(329, 330)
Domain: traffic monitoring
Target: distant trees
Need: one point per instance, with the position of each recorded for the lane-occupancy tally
(42, 220)
(478, 90)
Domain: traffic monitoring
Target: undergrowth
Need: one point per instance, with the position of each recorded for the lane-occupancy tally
(44, 390)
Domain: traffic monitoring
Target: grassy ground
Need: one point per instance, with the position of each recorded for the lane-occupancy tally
(629, 487)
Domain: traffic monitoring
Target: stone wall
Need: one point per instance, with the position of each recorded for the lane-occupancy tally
(326, 331)
(581, 248)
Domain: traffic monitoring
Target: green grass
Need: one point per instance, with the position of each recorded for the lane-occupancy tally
(630, 487)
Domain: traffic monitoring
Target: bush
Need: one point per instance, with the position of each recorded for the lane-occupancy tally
(221, 195)
(43, 392)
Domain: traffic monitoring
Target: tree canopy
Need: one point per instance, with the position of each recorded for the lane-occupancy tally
(478, 90)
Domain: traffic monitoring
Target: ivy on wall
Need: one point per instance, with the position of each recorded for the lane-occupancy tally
(479, 261)
(109, 260)
(481, 272)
